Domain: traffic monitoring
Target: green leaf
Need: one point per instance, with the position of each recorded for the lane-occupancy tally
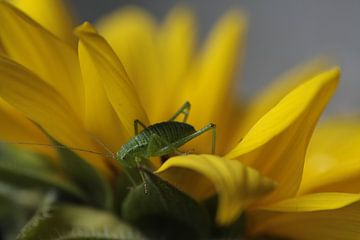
(82, 235)
(86, 177)
(25, 169)
(162, 211)
(65, 222)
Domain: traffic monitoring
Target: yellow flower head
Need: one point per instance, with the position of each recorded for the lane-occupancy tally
(132, 68)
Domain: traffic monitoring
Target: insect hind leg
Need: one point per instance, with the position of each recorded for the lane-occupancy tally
(208, 127)
(185, 109)
(136, 126)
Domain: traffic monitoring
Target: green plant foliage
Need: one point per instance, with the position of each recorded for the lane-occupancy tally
(97, 236)
(25, 169)
(65, 222)
(16, 207)
(236, 230)
(98, 191)
(163, 212)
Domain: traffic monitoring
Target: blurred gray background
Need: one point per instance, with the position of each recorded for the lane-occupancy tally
(282, 34)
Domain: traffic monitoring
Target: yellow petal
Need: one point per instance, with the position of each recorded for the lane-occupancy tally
(109, 69)
(100, 118)
(217, 64)
(333, 158)
(277, 143)
(175, 43)
(315, 216)
(32, 46)
(44, 105)
(16, 128)
(314, 202)
(209, 87)
(236, 184)
(131, 33)
(54, 15)
(270, 96)
(2, 51)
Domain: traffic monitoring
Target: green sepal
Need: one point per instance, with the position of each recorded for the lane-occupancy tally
(26, 169)
(97, 189)
(163, 212)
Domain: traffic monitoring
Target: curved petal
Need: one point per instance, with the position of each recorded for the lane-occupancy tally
(53, 15)
(236, 184)
(271, 95)
(44, 105)
(209, 87)
(277, 143)
(100, 117)
(333, 159)
(131, 32)
(119, 89)
(52, 60)
(315, 216)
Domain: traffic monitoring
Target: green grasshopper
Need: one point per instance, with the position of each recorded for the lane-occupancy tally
(161, 139)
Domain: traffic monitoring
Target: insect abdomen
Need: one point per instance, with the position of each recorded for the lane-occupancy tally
(169, 131)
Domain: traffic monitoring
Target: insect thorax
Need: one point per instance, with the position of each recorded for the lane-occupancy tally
(170, 132)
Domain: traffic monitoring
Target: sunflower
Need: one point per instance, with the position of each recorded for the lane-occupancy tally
(87, 96)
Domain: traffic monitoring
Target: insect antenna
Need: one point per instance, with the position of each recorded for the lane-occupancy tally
(59, 146)
(111, 153)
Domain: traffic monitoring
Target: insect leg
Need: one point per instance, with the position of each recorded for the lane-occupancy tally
(185, 109)
(136, 126)
(142, 175)
(208, 127)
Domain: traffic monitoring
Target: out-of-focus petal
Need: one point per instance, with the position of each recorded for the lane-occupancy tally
(333, 158)
(314, 216)
(176, 44)
(214, 71)
(209, 87)
(43, 104)
(109, 69)
(29, 44)
(314, 202)
(131, 32)
(2, 51)
(236, 184)
(16, 128)
(54, 15)
(276, 145)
